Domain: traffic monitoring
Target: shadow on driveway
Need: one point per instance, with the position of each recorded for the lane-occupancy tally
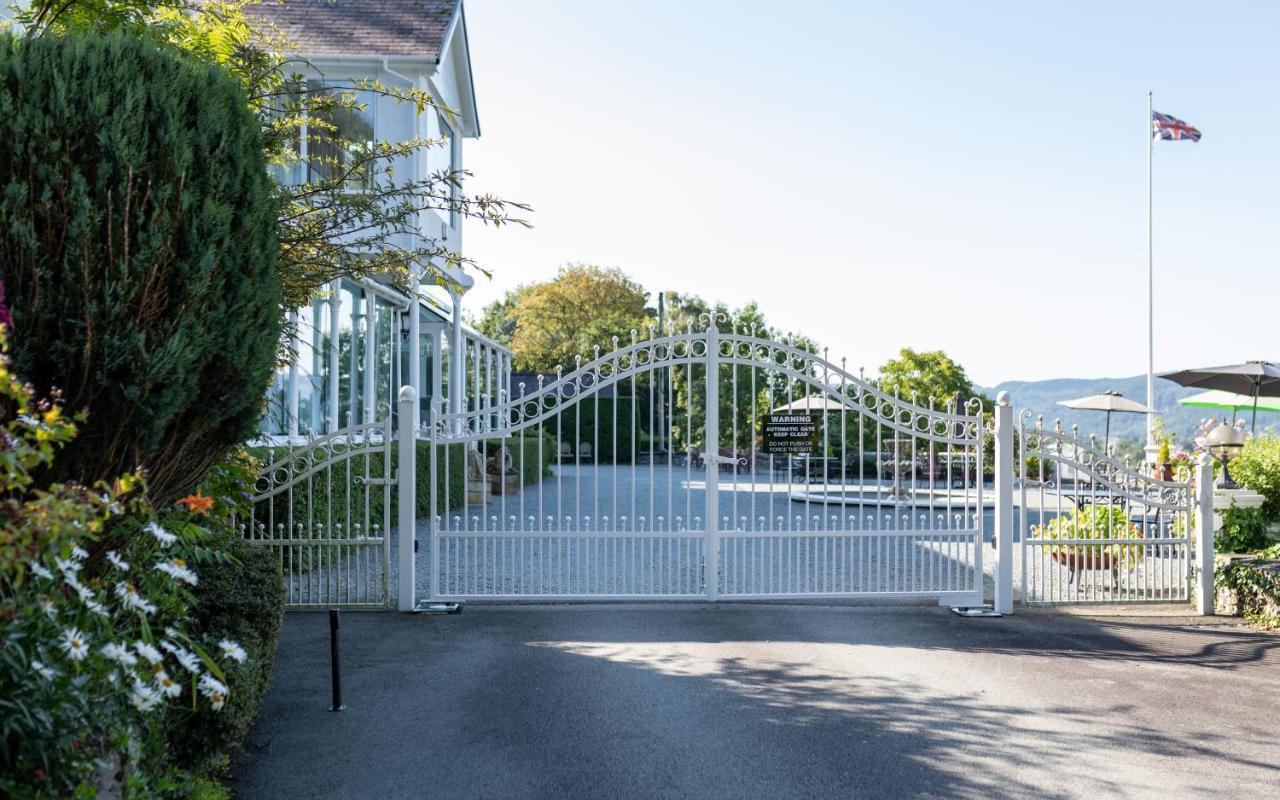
(766, 701)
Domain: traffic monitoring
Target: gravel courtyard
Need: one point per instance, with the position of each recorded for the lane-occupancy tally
(767, 701)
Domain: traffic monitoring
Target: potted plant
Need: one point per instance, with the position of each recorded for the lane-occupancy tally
(1105, 522)
(1164, 465)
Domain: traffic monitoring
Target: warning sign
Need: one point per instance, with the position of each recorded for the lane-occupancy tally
(791, 434)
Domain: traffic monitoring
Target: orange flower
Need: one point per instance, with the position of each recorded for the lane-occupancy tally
(197, 503)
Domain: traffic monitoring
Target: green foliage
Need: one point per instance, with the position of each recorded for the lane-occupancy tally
(1093, 521)
(242, 599)
(928, 378)
(98, 645)
(1258, 468)
(325, 230)
(1256, 585)
(1244, 530)
(312, 502)
(138, 247)
(581, 308)
(531, 455)
(598, 421)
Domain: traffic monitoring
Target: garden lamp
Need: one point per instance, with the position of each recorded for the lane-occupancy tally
(1224, 443)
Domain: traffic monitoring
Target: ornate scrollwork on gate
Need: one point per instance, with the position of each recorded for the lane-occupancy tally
(949, 425)
(302, 462)
(1112, 476)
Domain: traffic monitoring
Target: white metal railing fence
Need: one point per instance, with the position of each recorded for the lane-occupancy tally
(1094, 530)
(640, 474)
(325, 509)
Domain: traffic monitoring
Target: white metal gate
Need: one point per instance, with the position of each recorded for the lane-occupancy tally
(325, 509)
(658, 484)
(1096, 531)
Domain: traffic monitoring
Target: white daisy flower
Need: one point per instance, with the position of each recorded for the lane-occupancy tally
(172, 632)
(40, 572)
(44, 671)
(67, 568)
(167, 685)
(78, 553)
(143, 697)
(161, 535)
(47, 606)
(96, 607)
(148, 652)
(117, 562)
(232, 650)
(215, 690)
(75, 643)
(119, 653)
(85, 593)
(190, 661)
(130, 598)
(177, 569)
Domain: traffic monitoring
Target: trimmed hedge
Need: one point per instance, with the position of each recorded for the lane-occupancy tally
(343, 494)
(138, 249)
(242, 600)
(578, 422)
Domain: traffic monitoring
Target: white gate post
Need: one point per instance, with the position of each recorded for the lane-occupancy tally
(1004, 504)
(1204, 534)
(711, 459)
(406, 484)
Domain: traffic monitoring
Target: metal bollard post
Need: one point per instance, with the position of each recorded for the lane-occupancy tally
(335, 667)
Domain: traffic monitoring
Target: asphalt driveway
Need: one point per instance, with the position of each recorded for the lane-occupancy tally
(739, 701)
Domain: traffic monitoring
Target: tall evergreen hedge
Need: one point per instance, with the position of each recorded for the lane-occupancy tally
(138, 251)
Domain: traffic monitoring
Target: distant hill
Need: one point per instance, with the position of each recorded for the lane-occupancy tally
(1042, 397)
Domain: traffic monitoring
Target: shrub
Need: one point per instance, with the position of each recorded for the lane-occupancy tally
(1258, 468)
(1256, 585)
(1094, 521)
(1243, 530)
(578, 422)
(138, 245)
(241, 599)
(97, 643)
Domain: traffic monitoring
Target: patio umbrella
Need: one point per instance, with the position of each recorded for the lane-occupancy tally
(1216, 398)
(1253, 378)
(1108, 402)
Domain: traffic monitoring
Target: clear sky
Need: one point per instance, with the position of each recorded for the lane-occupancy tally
(963, 176)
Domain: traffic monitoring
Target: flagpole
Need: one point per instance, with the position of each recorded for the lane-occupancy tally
(1151, 304)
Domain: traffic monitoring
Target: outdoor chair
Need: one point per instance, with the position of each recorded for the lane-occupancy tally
(585, 453)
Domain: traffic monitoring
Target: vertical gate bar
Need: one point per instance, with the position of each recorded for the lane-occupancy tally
(712, 449)
(1202, 502)
(433, 528)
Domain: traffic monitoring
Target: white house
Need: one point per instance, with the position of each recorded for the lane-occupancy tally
(386, 338)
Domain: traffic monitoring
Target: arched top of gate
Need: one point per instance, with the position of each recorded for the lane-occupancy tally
(698, 344)
(1110, 476)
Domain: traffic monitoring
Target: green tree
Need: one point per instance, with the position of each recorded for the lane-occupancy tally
(325, 230)
(138, 248)
(581, 308)
(497, 319)
(931, 377)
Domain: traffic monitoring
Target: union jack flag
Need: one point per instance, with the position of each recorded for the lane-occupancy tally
(1164, 126)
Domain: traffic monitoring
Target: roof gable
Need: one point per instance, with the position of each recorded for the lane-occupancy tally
(402, 28)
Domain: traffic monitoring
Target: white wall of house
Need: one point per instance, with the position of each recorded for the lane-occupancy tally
(384, 338)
